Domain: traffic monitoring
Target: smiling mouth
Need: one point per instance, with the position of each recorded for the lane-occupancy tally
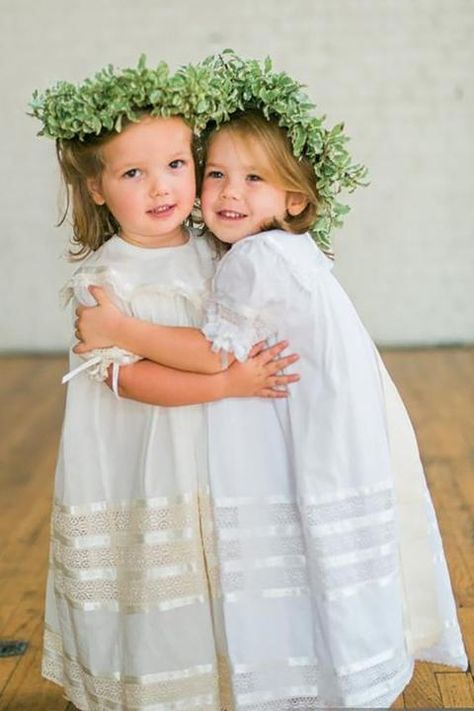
(231, 215)
(160, 210)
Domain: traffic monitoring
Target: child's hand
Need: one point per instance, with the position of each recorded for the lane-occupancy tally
(97, 326)
(259, 375)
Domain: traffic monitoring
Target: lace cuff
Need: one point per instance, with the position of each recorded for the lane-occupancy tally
(234, 331)
(97, 362)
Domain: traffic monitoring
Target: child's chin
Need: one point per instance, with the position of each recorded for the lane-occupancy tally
(226, 237)
(231, 239)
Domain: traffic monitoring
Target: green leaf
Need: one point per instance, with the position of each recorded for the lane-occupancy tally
(206, 95)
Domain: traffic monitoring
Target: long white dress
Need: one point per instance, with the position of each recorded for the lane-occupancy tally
(128, 614)
(329, 566)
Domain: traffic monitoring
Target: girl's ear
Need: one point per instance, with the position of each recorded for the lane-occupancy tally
(295, 203)
(95, 192)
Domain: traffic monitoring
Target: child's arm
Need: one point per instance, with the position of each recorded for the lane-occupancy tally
(178, 347)
(156, 384)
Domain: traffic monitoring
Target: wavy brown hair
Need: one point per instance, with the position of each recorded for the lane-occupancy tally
(92, 224)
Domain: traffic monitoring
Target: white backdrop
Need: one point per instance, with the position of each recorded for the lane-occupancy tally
(398, 72)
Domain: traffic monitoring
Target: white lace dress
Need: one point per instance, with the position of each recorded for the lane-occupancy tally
(331, 573)
(128, 617)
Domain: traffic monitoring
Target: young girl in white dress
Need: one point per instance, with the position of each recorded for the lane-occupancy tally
(128, 615)
(328, 568)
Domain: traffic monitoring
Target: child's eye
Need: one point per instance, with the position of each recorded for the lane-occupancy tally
(132, 173)
(253, 178)
(178, 163)
(215, 174)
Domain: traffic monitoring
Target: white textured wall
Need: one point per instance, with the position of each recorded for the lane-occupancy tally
(399, 72)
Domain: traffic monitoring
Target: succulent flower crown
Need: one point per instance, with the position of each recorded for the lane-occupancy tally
(206, 95)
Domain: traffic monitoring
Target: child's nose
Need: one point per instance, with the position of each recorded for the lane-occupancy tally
(158, 186)
(231, 189)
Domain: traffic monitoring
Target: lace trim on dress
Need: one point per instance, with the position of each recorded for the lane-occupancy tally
(97, 362)
(108, 278)
(266, 548)
(191, 688)
(235, 332)
(277, 685)
(129, 556)
(272, 547)
(305, 684)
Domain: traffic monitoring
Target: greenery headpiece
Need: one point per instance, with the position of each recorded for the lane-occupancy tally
(100, 104)
(252, 85)
(206, 95)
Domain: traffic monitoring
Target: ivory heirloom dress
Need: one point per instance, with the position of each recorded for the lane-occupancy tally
(332, 577)
(128, 618)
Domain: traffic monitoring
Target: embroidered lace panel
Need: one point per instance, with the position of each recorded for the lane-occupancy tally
(129, 556)
(278, 546)
(195, 688)
(303, 684)
(279, 685)
(165, 552)
(114, 282)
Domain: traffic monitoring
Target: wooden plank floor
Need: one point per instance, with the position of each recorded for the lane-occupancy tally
(437, 386)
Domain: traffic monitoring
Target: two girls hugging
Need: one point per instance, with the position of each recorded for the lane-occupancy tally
(276, 548)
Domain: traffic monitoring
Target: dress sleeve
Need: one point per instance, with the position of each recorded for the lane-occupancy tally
(247, 300)
(97, 361)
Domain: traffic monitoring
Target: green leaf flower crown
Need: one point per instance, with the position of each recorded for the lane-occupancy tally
(206, 95)
(99, 105)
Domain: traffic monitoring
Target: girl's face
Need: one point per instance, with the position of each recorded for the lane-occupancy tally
(239, 194)
(148, 181)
